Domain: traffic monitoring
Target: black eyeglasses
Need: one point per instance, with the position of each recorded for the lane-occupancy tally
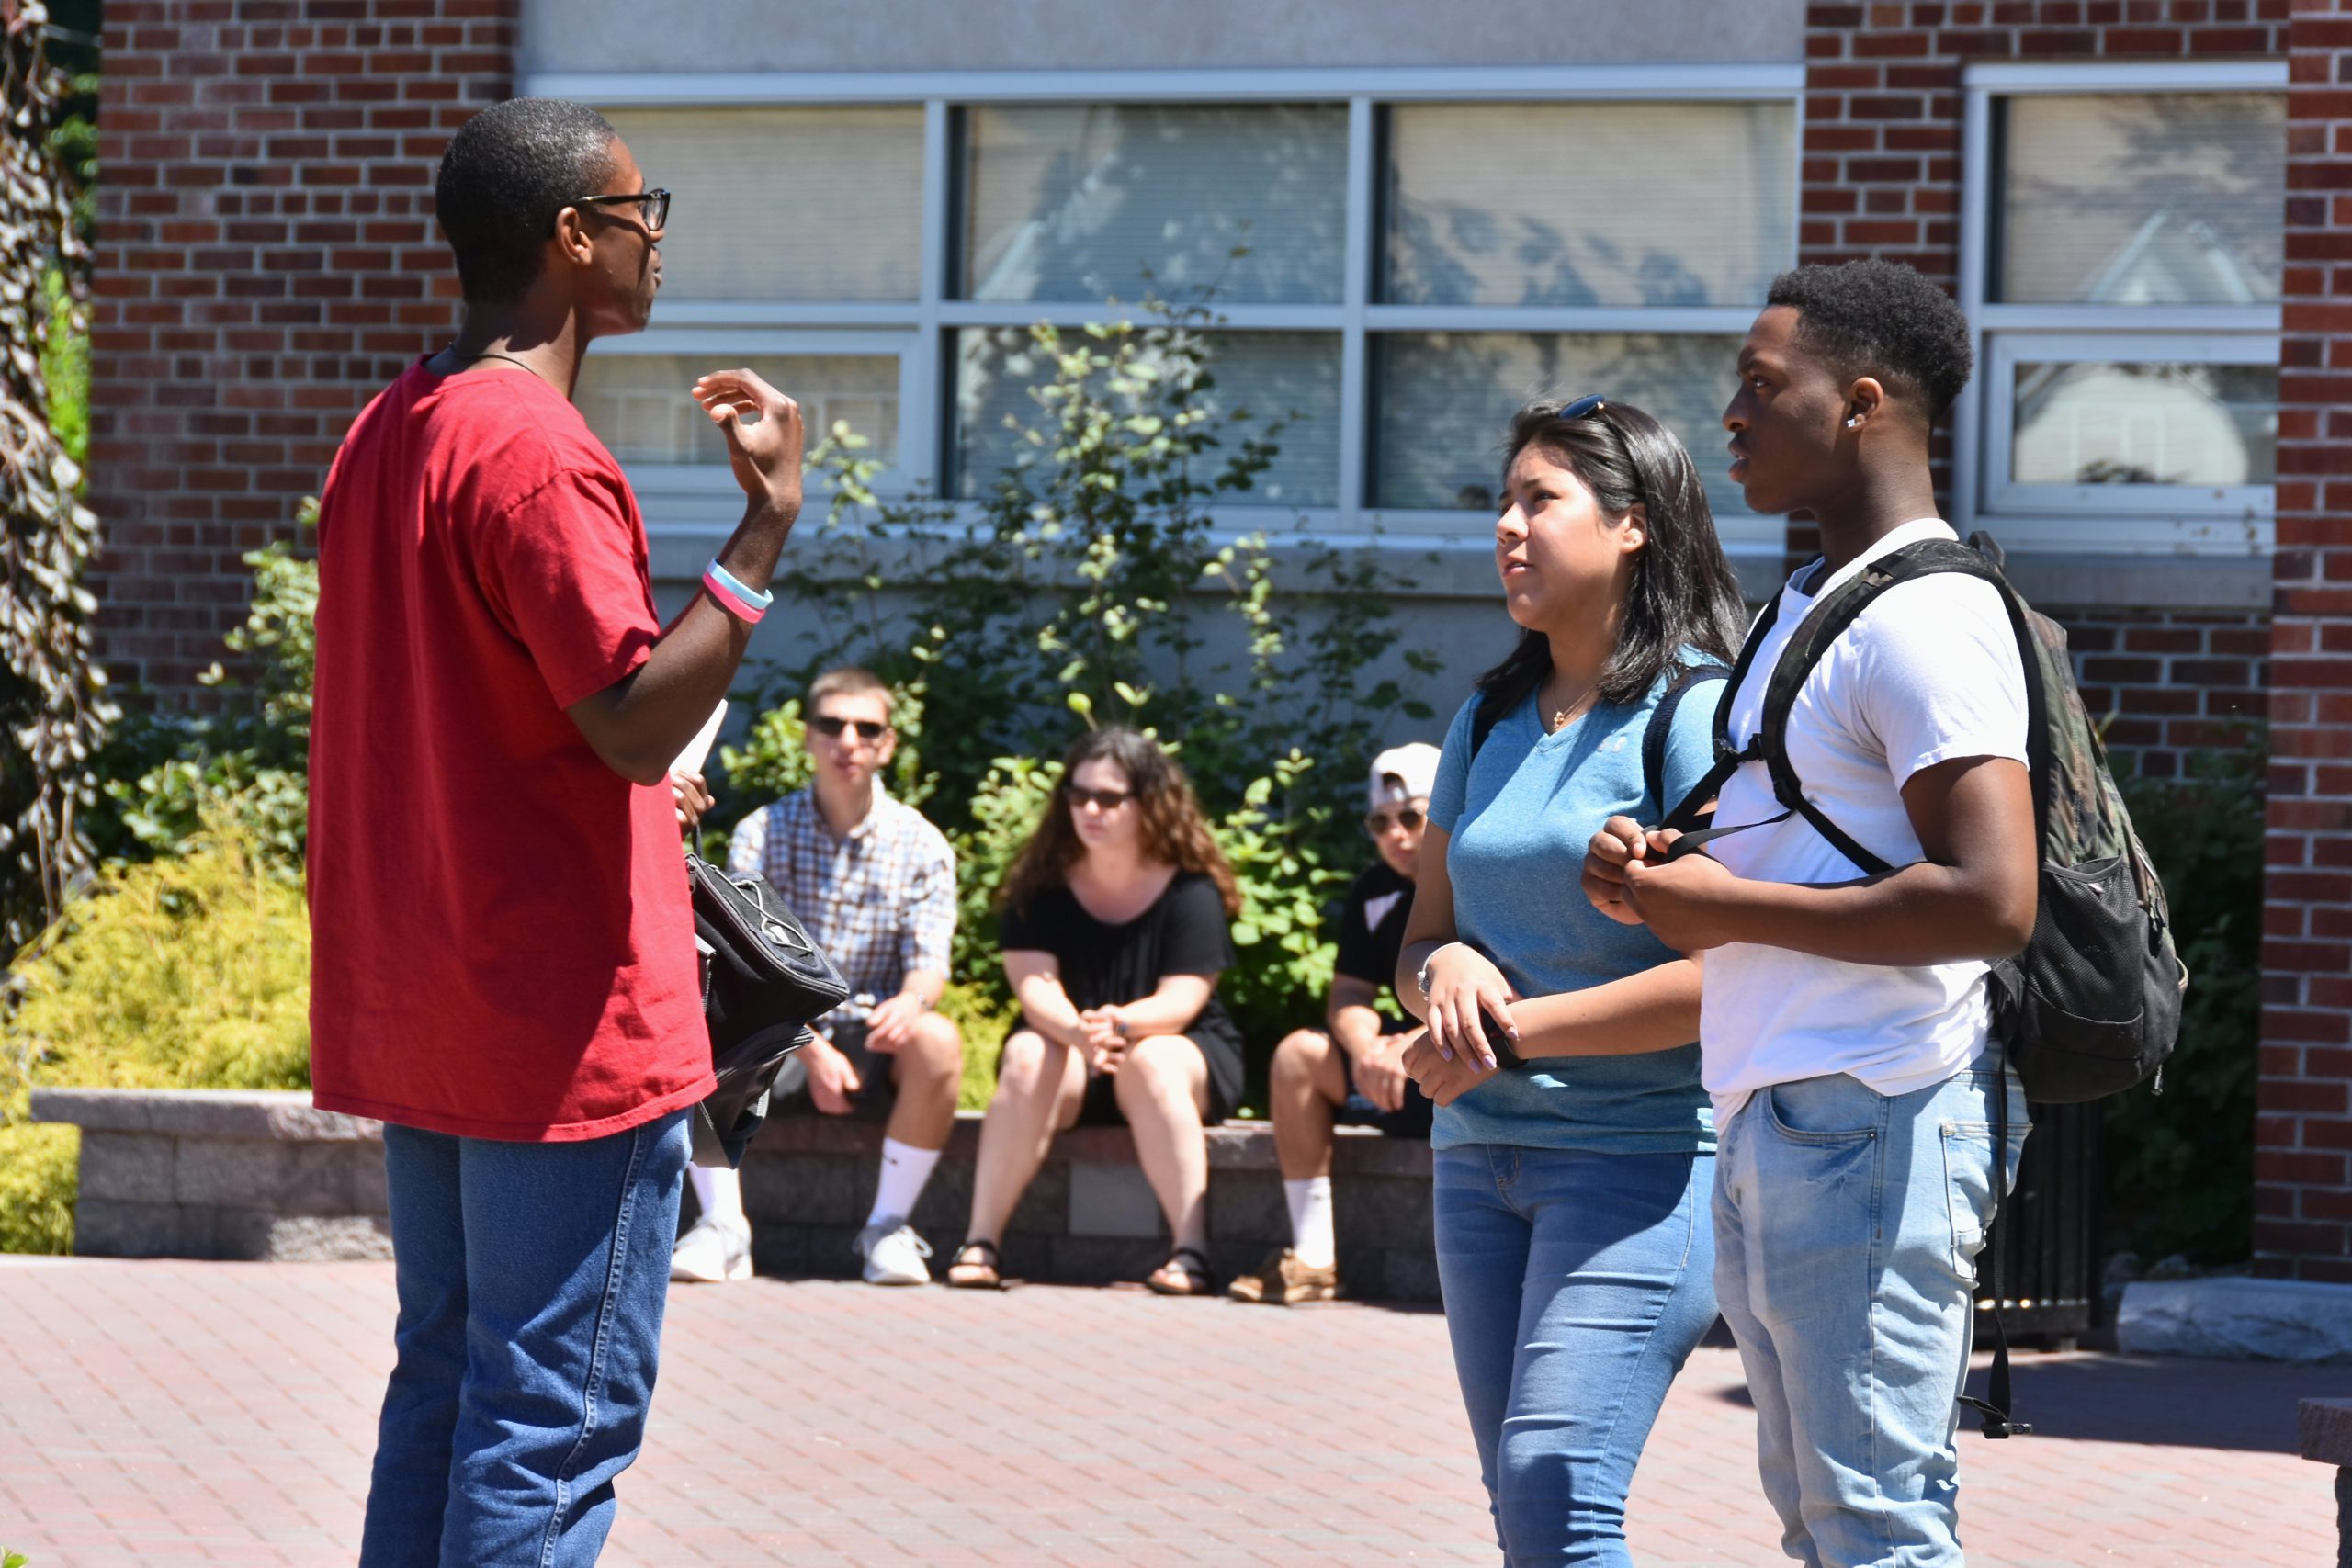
(1104, 800)
(1378, 823)
(653, 207)
(827, 725)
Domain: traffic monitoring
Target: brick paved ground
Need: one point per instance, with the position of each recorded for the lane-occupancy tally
(189, 1412)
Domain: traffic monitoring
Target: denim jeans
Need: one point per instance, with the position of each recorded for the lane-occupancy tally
(532, 1278)
(1576, 1286)
(1847, 1228)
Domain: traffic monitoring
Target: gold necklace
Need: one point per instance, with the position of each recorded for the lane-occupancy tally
(1560, 715)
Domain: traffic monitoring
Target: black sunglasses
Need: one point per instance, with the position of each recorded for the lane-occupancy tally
(1581, 408)
(1379, 822)
(827, 725)
(653, 207)
(1104, 800)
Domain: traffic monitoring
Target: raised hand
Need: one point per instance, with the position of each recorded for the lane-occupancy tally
(767, 439)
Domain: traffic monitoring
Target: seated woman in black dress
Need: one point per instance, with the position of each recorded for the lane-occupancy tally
(1114, 933)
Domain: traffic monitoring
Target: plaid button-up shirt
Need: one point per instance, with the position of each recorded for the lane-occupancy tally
(881, 902)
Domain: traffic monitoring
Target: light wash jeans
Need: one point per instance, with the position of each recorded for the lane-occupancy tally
(1576, 1286)
(532, 1281)
(1847, 1228)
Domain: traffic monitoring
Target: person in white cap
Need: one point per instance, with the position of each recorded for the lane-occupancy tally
(1352, 1071)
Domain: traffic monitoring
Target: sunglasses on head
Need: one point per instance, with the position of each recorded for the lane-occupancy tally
(1101, 799)
(1407, 817)
(1581, 408)
(827, 725)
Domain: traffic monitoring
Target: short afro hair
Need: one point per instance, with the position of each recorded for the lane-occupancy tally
(508, 172)
(1881, 319)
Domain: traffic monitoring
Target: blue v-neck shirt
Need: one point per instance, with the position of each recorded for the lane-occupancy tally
(1518, 818)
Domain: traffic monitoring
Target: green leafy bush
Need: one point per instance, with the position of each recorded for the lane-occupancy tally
(191, 971)
(2179, 1165)
(168, 772)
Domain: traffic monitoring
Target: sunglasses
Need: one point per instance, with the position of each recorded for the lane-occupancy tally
(825, 724)
(1378, 823)
(1581, 408)
(1103, 800)
(653, 207)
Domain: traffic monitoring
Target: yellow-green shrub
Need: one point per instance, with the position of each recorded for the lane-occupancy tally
(183, 973)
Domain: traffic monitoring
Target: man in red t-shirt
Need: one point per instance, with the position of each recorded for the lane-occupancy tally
(503, 964)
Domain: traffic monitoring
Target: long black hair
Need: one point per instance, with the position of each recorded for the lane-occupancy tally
(1683, 593)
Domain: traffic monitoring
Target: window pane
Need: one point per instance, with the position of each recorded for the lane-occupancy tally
(785, 203)
(1291, 375)
(1588, 204)
(1074, 202)
(2139, 424)
(1446, 400)
(638, 403)
(2115, 199)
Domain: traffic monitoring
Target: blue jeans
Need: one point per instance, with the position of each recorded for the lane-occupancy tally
(1847, 1228)
(532, 1278)
(1576, 1286)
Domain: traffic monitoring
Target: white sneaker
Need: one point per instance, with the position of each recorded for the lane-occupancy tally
(894, 1255)
(712, 1253)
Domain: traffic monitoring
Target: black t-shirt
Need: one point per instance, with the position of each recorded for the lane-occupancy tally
(1183, 932)
(1372, 925)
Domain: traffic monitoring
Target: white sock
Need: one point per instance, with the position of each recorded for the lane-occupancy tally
(1310, 1221)
(720, 1194)
(905, 1169)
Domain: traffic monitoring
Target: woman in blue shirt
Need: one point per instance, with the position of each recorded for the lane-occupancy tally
(1574, 1241)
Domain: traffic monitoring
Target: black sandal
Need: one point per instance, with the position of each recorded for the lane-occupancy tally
(1177, 1278)
(990, 1266)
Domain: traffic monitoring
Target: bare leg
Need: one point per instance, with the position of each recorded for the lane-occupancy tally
(1038, 1088)
(1305, 1086)
(1163, 1089)
(928, 1070)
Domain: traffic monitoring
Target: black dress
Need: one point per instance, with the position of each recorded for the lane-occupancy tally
(1183, 932)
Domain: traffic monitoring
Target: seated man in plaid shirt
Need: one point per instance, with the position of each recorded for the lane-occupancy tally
(876, 885)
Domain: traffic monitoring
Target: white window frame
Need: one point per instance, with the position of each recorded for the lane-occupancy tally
(2092, 519)
(923, 438)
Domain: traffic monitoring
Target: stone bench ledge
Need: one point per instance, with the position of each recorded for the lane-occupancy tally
(278, 1115)
(2237, 1317)
(1232, 1145)
(2325, 1426)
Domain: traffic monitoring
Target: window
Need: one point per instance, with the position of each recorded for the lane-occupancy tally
(1398, 260)
(2125, 275)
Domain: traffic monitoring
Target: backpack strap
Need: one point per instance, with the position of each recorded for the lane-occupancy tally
(1691, 811)
(1660, 732)
(1482, 724)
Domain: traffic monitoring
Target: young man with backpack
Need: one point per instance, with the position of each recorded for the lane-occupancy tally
(1873, 859)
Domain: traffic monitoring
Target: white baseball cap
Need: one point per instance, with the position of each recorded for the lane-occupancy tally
(1403, 773)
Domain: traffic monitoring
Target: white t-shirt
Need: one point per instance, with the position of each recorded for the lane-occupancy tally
(1928, 673)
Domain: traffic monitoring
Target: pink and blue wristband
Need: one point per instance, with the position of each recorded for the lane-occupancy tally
(746, 604)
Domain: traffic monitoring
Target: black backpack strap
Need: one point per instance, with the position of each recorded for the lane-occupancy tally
(1483, 719)
(1690, 813)
(1660, 732)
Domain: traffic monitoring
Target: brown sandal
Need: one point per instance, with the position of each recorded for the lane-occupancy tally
(978, 1266)
(1177, 1277)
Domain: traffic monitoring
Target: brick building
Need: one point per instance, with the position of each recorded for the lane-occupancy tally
(2146, 206)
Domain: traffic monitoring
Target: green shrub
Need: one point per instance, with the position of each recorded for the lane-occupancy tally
(190, 971)
(2179, 1165)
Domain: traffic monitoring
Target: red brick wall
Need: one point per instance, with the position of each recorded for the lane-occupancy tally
(2304, 1132)
(1881, 159)
(2174, 681)
(266, 260)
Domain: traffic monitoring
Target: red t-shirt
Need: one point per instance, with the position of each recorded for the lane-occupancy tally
(502, 943)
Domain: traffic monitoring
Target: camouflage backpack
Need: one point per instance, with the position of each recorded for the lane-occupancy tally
(2092, 1006)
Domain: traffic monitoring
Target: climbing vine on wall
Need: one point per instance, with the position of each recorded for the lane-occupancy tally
(54, 701)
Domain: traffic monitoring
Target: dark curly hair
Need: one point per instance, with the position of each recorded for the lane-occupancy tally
(1683, 594)
(1883, 320)
(1174, 831)
(508, 172)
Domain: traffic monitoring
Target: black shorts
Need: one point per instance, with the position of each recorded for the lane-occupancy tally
(1220, 1050)
(1410, 1120)
(878, 1088)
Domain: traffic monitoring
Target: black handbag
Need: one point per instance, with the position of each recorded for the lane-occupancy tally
(764, 983)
